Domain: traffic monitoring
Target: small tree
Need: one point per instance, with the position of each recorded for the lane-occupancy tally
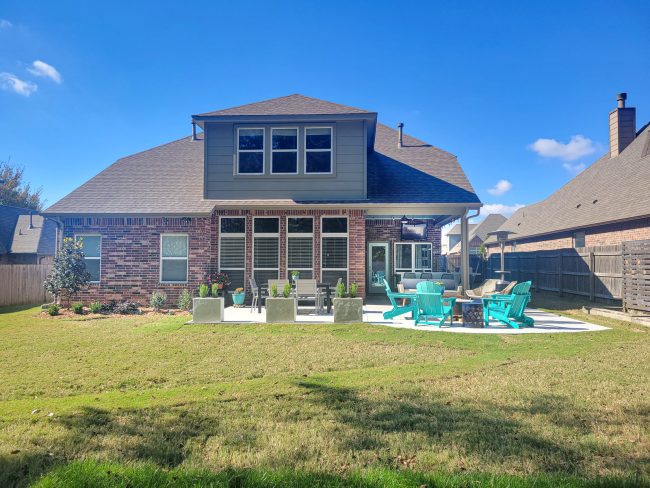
(69, 273)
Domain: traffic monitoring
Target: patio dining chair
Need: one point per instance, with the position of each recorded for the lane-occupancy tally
(255, 290)
(308, 290)
(279, 284)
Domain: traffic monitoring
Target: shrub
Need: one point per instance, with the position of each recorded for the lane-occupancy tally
(185, 300)
(215, 290)
(68, 273)
(274, 290)
(53, 310)
(157, 300)
(353, 290)
(203, 291)
(95, 307)
(78, 308)
(109, 307)
(127, 308)
(340, 290)
(286, 291)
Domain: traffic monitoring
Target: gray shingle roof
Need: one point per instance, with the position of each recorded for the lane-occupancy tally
(295, 104)
(491, 223)
(610, 190)
(455, 230)
(16, 237)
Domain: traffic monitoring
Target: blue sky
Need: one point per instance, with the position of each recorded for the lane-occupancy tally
(83, 84)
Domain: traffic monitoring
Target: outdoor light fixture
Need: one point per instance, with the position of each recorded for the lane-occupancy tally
(404, 220)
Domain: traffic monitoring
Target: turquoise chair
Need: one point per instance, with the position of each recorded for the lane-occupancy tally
(397, 309)
(433, 309)
(509, 309)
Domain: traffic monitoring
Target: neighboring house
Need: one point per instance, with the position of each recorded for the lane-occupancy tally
(25, 236)
(608, 203)
(454, 235)
(291, 183)
(479, 233)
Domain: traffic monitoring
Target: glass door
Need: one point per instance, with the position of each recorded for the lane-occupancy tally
(377, 268)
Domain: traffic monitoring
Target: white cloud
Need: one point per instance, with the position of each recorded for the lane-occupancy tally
(40, 68)
(574, 168)
(502, 186)
(10, 82)
(5, 24)
(500, 208)
(576, 148)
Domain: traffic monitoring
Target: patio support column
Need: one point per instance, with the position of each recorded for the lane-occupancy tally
(464, 251)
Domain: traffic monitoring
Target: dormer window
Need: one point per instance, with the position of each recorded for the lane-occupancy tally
(250, 151)
(284, 151)
(318, 150)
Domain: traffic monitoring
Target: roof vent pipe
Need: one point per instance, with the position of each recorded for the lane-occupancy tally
(31, 222)
(400, 127)
(194, 131)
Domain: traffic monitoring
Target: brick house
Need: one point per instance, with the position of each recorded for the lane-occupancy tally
(607, 204)
(292, 183)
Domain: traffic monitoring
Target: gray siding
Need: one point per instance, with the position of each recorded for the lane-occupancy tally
(348, 180)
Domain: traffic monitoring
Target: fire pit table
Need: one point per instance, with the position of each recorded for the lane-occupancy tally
(473, 314)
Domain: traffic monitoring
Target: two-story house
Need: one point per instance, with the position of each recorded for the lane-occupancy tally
(291, 183)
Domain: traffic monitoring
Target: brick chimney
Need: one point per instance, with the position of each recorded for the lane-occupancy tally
(622, 126)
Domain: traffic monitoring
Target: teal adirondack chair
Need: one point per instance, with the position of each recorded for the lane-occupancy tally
(395, 298)
(509, 309)
(433, 309)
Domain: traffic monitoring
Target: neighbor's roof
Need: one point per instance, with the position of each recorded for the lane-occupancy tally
(491, 223)
(610, 190)
(17, 238)
(456, 229)
(295, 104)
(168, 179)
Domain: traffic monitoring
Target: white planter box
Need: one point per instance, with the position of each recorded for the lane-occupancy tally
(348, 310)
(280, 310)
(207, 310)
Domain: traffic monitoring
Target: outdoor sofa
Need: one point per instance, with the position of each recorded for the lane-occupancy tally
(450, 280)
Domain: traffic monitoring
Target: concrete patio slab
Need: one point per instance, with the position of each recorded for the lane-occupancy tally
(545, 322)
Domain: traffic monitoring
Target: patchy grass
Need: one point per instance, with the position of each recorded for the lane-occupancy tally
(146, 401)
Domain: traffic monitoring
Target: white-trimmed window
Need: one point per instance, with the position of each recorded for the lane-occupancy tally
(284, 151)
(413, 257)
(318, 150)
(334, 249)
(174, 250)
(232, 249)
(92, 249)
(300, 246)
(250, 151)
(266, 249)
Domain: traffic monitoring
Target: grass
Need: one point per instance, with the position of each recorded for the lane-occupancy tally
(147, 401)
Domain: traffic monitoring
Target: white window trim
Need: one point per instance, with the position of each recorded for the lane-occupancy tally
(176, 258)
(234, 235)
(251, 151)
(335, 234)
(330, 150)
(296, 150)
(304, 235)
(264, 234)
(76, 236)
(412, 269)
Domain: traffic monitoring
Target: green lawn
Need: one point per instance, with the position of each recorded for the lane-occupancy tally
(147, 401)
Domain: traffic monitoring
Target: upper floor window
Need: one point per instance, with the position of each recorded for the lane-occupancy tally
(318, 150)
(284, 151)
(250, 150)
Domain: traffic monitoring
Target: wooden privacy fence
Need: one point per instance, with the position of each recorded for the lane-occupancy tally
(594, 272)
(23, 283)
(636, 275)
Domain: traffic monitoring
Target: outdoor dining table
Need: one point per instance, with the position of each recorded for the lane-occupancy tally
(325, 286)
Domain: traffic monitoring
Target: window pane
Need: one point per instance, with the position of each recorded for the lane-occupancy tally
(267, 251)
(285, 162)
(233, 252)
(251, 162)
(422, 256)
(174, 246)
(319, 138)
(403, 256)
(285, 139)
(332, 277)
(233, 225)
(303, 225)
(174, 270)
(267, 225)
(335, 225)
(251, 139)
(92, 266)
(335, 252)
(90, 245)
(579, 239)
(299, 250)
(319, 162)
(262, 277)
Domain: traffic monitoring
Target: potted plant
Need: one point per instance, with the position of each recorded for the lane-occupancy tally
(280, 309)
(205, 309)
(347, 306)
(238, 297)
(295, 275)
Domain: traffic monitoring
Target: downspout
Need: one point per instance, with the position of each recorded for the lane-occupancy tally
(464, 247)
